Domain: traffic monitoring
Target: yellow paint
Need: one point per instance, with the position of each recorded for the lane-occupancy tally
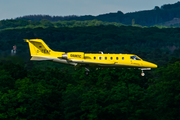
(40, 51)
(39, 48)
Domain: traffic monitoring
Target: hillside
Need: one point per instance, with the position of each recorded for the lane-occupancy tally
(158, 15)
(172, 23)
(151, 44)
(49, 91)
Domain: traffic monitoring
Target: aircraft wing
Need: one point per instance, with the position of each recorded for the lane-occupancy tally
(91, 62)
(40, 58)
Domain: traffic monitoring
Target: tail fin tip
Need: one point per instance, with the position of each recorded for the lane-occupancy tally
(26, 40)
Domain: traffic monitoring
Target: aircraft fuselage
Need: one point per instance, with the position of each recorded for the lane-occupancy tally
(40, 51)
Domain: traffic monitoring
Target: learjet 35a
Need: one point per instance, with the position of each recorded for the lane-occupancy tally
(40, 52)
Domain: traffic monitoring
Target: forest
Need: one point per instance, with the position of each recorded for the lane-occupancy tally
(45, 90)
(155, 16)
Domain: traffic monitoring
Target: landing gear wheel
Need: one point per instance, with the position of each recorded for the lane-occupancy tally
(86, 73)
(142, 74)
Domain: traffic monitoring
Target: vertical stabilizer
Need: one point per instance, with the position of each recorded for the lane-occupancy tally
(38, 48)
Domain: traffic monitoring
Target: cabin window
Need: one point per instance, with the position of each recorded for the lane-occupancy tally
(99, 58)
(105, 58)
(111, 58)
(122, 58)
(94, 57)
(134, 58)
(117, 58)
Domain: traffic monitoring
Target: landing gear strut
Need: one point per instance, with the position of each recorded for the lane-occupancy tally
(142, 74)
(86, 71)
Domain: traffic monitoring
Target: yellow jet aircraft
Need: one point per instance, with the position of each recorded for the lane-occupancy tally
(40, 51)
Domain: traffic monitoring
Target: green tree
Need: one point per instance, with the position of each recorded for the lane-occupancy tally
(46, 23)
(165, 92)
(106, 94)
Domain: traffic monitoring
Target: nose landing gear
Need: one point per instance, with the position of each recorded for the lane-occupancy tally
(142, 74)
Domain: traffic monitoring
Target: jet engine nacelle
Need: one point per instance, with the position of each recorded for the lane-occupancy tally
(71, 55)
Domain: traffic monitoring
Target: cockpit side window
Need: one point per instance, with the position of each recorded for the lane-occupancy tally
(134, 58)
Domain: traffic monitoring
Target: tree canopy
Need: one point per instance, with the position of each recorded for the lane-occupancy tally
(44, 90)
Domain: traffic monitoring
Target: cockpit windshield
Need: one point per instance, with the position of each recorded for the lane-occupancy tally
(135, 58)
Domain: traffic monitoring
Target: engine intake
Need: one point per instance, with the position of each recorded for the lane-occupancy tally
(64, 56)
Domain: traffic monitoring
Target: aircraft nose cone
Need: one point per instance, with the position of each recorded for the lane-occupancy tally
(150, 65)
(153, 65)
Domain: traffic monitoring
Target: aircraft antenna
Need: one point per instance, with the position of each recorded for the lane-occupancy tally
(101, 52)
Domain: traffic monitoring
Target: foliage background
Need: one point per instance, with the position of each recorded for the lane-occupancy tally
(45, 90)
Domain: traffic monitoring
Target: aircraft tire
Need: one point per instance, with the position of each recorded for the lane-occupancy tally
(142, 74)
(86, 73)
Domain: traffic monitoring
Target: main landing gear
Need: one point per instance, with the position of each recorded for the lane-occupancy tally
(86, 71)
